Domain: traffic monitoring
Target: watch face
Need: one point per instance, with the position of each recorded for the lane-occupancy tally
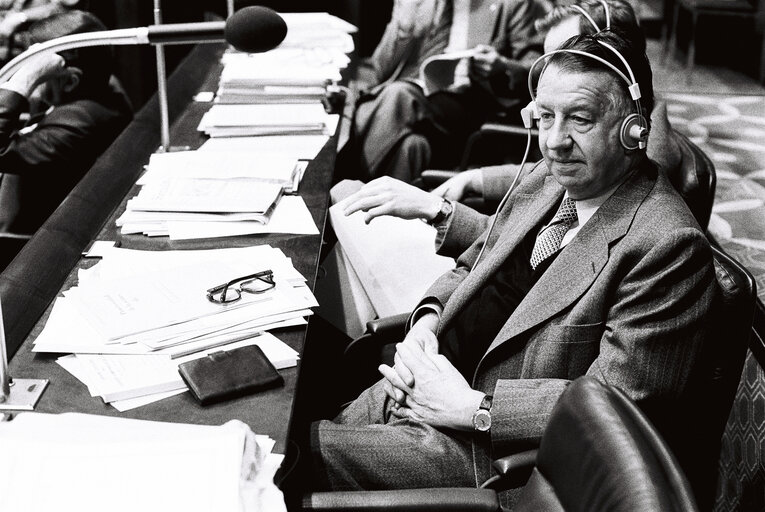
(482, 420)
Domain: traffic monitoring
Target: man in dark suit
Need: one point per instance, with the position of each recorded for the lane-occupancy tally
(595, 266)
(75, 109)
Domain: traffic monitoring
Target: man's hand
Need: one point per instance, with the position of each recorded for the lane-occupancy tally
(464, 184)
(389, 196)
(422, 336)
(441, 396)
(37, 70)
(486, 62)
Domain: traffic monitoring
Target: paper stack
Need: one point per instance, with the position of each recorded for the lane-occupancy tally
(268, 119)
(186, 190)
(90, 463)
(136, 315)
(298, 71)
(318, 30)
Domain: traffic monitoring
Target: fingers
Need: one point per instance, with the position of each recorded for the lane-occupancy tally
(403, 371)
(413, 357)
(399, 388)
(394, 394)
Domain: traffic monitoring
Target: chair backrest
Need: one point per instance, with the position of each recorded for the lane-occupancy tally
(741, 469)
(599, 452)
(715, 377)
(695, 179)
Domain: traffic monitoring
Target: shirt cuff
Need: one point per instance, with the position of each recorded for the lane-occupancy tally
(421, 310)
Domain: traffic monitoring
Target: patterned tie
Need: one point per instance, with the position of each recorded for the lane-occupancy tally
(549, 239)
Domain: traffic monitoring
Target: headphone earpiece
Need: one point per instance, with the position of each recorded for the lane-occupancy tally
(633, 135)
(529, 114)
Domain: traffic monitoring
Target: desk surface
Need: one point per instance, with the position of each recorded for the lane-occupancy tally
(49, 262)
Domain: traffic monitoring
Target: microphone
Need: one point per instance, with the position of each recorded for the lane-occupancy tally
(251, 29)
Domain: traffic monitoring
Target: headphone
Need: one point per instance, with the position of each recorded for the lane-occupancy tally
(634, 130)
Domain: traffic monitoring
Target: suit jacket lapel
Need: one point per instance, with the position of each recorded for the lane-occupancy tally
(539, 197)
(580, 262)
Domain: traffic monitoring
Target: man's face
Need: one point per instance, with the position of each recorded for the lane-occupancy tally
(579, 126)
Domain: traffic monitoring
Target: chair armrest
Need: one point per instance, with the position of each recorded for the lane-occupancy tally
(512, 471)
(394, 324)
(431, 178)
(380, 332)
(436, 500)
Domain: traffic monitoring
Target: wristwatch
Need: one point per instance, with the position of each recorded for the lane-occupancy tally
(482, 416)
(443, 213)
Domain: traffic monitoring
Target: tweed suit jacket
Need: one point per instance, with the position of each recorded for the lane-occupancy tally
(624, 301)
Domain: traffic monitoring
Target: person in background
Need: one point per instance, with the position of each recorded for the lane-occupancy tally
(16, 15)
(58, 113)
(399, 128)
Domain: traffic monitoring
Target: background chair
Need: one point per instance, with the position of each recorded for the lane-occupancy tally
(746, 9)
(599, 452)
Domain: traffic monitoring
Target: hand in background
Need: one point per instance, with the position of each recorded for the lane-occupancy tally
(486, 62)
(37, 70)
(389, 196)
(464, 184)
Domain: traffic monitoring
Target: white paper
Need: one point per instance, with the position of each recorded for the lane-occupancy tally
(395, 259)
(206, 195)
(291, 215)
(297, 146)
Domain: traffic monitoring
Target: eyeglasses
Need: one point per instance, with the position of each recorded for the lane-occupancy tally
(254, 283)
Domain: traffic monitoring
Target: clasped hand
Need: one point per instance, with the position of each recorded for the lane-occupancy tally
(427, 387)
(487, 62)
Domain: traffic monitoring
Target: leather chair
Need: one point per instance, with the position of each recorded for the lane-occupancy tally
(599, 452)
(715, 377)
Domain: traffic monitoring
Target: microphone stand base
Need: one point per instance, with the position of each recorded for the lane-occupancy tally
(25, 393)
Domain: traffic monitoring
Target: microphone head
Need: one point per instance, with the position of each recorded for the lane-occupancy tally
(255, 29)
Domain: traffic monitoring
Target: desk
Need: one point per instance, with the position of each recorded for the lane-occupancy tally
(49, 262)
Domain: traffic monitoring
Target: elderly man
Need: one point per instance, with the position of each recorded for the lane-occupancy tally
(76, 109)
(595, 266)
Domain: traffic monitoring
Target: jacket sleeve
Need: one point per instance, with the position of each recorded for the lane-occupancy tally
(12, 105)
(463, 227)
(651, 337)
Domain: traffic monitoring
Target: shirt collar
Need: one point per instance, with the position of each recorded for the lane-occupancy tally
(586, 208)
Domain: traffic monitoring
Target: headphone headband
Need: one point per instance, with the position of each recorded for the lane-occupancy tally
(606, 9)
(637, 128)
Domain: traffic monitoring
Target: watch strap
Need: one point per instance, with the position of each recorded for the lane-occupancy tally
(443, 213)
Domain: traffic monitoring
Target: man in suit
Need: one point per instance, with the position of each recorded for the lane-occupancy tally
(398, 126)
(595, 266)
(75, 107)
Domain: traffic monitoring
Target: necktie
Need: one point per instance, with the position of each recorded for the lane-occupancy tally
(549, 239)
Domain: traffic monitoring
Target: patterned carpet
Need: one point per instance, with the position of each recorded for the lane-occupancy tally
(731, 131)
